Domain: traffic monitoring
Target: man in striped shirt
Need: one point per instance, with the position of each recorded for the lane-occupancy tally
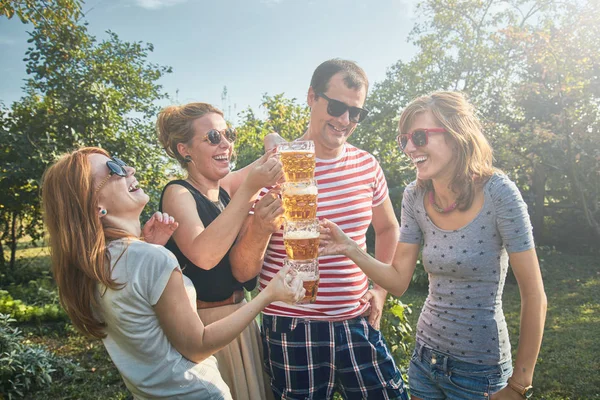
(312, 350)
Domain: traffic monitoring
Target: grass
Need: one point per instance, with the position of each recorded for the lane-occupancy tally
(568, 367)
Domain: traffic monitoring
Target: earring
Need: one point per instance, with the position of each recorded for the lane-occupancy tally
(103, 212)
(187, 159)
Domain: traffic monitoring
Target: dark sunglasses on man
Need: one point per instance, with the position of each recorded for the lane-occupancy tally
(336, 108)
(214, 136)
(116, 166)
(419, 137)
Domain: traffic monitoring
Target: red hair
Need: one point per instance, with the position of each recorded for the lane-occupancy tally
(77, 238)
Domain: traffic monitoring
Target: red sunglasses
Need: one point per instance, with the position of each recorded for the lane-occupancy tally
(419, 137)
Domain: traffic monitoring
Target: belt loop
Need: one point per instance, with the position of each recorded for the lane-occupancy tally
(420, 351)
(274, 323)
(446, 364)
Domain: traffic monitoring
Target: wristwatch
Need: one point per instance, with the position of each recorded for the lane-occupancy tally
(525, 391)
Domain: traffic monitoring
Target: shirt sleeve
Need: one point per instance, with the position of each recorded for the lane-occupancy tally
(154, 276)
(380, 190)
(410, 232)
(512, 218)
(262, 194)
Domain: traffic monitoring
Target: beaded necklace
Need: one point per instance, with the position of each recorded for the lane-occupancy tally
(437, 208)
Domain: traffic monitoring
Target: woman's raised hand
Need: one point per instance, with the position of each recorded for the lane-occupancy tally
(159, 228)
(333, 240)
(286, 286)
(266, 172)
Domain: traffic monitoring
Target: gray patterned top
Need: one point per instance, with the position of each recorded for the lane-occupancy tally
(462, 316)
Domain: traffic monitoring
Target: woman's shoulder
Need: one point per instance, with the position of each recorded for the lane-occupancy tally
(412, 189)
(502, 189)
(499, 182)
(144, 250)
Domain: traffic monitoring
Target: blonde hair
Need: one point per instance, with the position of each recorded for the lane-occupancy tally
(473, 161)
(77, 238)
(174, 126)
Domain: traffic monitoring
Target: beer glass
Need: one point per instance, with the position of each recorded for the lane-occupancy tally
(300, 200)
(298, 159)
(301, 239)
(308, 271)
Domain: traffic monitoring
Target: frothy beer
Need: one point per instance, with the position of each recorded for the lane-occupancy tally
(300, 203)
(308, 271)
(311, 285)
(298, 165)
(301, 245)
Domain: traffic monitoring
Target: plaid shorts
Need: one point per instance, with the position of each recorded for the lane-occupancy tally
(311, 359)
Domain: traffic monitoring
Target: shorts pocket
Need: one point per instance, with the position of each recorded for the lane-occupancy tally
(478, 385)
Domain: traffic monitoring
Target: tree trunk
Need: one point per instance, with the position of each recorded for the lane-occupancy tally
(13, 241)
(539, 197)
(578, 190)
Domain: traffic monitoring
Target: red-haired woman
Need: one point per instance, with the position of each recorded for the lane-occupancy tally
(131, 293)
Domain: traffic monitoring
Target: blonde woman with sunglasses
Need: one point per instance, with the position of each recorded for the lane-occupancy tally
(130, 293)
(210, 205)
(469, 220)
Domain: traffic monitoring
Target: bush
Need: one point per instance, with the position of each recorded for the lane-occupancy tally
(22, 312)
(23, 368)
(36, 292)
(396, 329)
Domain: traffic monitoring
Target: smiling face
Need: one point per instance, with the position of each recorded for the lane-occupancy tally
(436, 159)
(330, 133)
(120, 196)
(212, 161)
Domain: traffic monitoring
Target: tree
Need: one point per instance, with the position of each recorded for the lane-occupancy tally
(284, 116)
(80, 92)
(531, 69)
(43, 12)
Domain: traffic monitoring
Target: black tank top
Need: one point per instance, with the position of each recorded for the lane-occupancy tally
(217, 283)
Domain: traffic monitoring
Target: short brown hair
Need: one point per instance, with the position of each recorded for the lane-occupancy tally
(454, 113)
(354, 76)
(174, 126)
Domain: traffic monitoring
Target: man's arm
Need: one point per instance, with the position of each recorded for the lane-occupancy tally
(247, 255)
(387, 232)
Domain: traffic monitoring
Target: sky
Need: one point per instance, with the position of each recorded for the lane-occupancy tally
(252, 47)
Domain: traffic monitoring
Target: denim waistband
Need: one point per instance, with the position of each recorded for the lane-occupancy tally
(446, 363)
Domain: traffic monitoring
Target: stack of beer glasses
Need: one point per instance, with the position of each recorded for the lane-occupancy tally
(301, 227)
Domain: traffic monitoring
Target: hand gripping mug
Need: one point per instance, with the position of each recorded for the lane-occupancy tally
(308, 271)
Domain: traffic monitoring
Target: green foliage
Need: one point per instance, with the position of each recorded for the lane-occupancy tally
(41, 12)
(23, 312)
(420, 277)
(36, 292)
(396, 329)
(80, 92)
(531, 69)
(25, 368)
(284, 116)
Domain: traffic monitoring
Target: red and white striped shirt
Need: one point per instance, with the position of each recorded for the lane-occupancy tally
(349, 187)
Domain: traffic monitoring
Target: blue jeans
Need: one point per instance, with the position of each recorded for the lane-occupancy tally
(433, 375)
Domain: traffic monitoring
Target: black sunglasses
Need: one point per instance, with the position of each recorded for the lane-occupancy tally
(419, 137)
(214, 136)
(336, 108)
(116, 166)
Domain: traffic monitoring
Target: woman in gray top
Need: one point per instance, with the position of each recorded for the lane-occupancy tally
(470, 221)
(131, 293)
